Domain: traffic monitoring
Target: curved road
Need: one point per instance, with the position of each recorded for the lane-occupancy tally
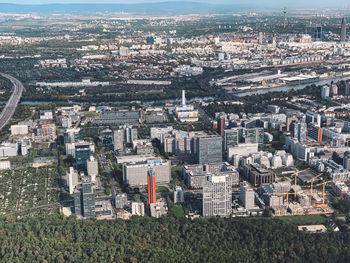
(12, 103)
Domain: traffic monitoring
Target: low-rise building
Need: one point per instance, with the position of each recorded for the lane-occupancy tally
(19, 129)
(158, 209)
(138, 209)
(178, 195)
(5, 165)
(8, 149)
(258, 174)
(121, 200)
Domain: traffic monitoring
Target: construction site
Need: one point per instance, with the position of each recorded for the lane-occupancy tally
(312, 196)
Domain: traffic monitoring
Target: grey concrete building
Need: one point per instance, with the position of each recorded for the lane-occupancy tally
(135, 174)
(217, 196)
(246, 195)
(346, 161)
(92, 168)
(121, 200)
(195, 175)
(84, 199)
(118, 140)
(258, 174)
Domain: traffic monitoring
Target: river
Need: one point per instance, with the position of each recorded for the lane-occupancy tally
(287, 88)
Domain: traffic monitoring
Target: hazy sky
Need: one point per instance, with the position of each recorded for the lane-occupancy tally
(271, 3)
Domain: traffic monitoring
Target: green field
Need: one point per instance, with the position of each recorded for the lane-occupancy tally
(177, 211)
(162, 188)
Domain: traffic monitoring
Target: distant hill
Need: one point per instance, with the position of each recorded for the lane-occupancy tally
(144, 8)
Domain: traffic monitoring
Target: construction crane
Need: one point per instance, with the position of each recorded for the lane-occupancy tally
(312, 180)
(324, 187)
(295, 180)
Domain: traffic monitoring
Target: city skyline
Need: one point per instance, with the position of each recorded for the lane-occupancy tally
(266, 3)
(152, 131)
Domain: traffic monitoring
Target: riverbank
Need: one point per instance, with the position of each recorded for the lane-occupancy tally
(287, 88)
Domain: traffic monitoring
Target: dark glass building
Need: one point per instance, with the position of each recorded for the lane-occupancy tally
(82, 155)
(209, 149)
(84, 199)
(318, 33)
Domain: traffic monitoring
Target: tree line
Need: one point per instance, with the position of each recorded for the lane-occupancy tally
(168, 239)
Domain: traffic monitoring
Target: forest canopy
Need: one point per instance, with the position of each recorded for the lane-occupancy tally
(168, 239)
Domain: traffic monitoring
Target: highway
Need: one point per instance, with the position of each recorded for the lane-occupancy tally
(12, 103)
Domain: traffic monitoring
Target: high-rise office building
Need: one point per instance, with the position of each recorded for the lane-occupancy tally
(347, 89)
(316, 133)
(343, 30)
(92, 168)
(299, 130)
(151, 187)
(312, 117)
(208, 149)
(247, 195)
(84, 199)
(232, 137)
(66, 122)
(217, 196)
(239, 135)
(318, 33)
(261, 36)
(346, 160)
(107, 138)
(72, 180)
(325, 92)
(72, 135)
(221, 125)
(88, 198)
(289, 122)
(118, 140)
(334, 90)
(71, 147)
(130, 134)
(82, 155)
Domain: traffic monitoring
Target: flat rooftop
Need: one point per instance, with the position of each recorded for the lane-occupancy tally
(312, 228)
